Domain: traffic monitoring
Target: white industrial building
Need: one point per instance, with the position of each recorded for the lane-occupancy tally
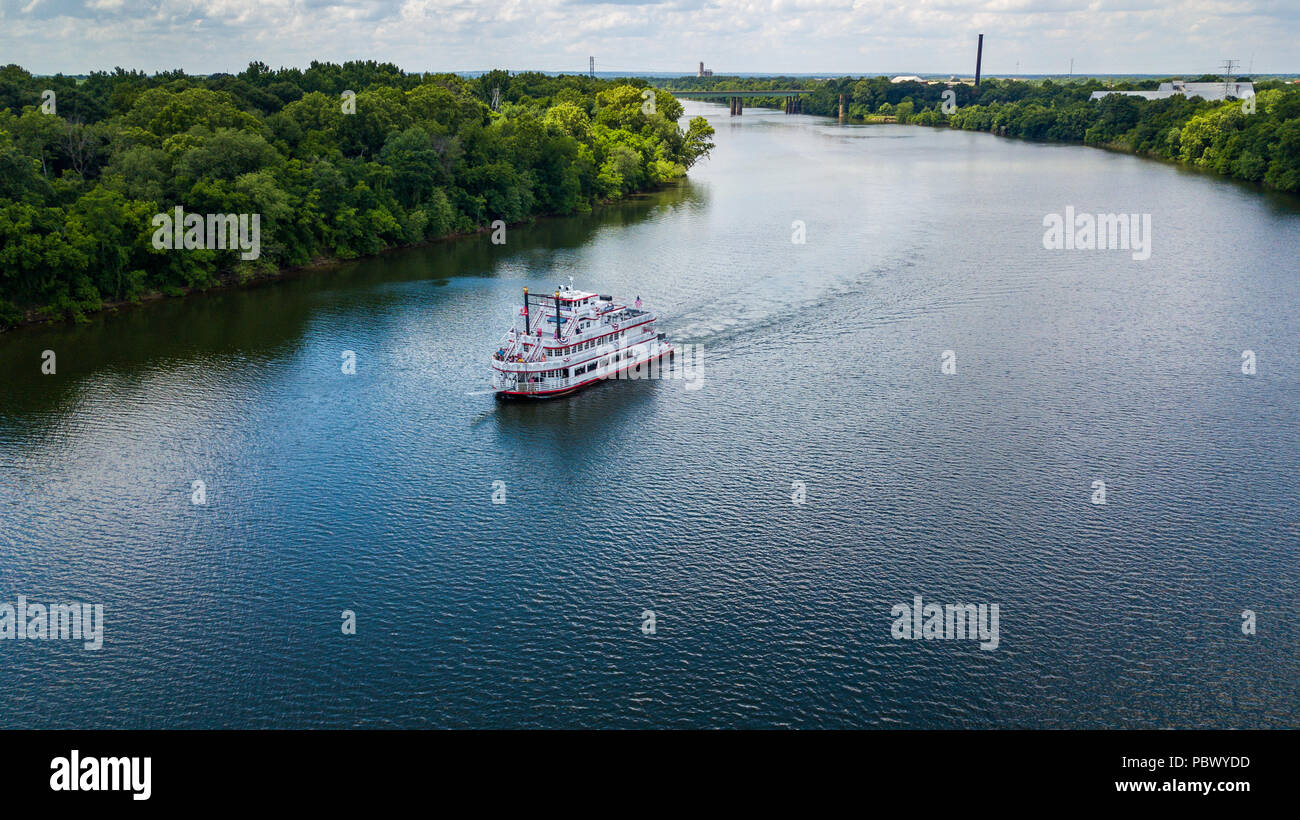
(1206, 91)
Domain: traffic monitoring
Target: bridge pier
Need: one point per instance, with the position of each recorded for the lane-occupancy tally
(841, 108)
(736, 98)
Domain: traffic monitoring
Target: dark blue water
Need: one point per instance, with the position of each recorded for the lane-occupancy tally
(373, 492)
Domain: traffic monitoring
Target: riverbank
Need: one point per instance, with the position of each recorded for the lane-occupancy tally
(1255, 138)
(1292, 197)
(233, 280)
(331, 163)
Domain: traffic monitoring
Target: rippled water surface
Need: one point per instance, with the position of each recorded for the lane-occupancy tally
(372, 492)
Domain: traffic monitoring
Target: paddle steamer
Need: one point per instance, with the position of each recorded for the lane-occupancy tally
(562, 343)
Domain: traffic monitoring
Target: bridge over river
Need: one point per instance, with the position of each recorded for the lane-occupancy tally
(737, 96)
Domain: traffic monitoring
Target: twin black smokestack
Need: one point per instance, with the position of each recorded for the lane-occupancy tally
(979, 57)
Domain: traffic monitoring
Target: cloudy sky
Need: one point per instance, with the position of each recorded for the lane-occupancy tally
(830, 36)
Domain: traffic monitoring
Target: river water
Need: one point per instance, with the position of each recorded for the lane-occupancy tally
(821, 363)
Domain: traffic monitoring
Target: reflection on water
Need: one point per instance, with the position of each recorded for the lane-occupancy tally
(268, 320)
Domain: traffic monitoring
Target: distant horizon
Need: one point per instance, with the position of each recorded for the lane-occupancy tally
(732, 37)
(650, 74)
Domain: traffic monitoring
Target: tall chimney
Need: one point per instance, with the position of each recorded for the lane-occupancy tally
(979, 57)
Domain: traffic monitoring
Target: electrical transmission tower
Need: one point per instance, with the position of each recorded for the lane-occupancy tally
(1229, 76)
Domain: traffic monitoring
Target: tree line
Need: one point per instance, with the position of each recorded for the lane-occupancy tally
(338, 160)
(1257, 142)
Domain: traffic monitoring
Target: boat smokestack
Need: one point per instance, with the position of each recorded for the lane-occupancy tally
(525, 311)
(979, 58)
(557, 314)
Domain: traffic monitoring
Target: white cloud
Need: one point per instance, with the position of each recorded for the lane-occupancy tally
(824, 36)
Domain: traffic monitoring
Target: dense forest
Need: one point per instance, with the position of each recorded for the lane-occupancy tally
(1260, 145)
(337, 160)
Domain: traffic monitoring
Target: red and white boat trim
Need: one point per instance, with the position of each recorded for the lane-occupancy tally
(561, 343)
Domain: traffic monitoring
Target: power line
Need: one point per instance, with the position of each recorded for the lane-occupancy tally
(1229, 74)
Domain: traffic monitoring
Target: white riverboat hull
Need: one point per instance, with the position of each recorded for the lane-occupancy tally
(525, 390)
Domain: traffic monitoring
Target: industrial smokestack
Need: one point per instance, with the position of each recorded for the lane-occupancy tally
(979, 58)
